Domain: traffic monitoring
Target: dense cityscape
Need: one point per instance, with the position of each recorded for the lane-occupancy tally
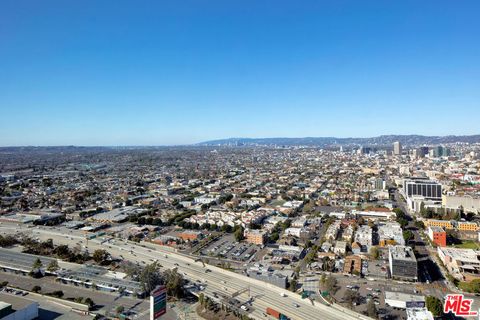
(239, 160)
(241, 232)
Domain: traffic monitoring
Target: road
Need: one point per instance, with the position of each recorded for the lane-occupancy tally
(217, 280)
(428, 268)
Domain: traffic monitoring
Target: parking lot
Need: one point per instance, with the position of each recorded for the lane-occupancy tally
(373, 290)
(227, 247)
(105, 301)
(377, 269)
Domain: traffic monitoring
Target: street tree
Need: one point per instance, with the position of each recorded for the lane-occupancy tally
(150, 277)
(53, 266)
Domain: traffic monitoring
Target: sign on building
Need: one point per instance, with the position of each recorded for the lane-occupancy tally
(158, 302)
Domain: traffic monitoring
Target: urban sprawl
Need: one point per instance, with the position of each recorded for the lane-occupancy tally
(239, 232)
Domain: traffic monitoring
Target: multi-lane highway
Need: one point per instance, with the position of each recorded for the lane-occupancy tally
(217, 282)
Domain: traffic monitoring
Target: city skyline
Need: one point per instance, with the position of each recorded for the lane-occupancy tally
(163, 74)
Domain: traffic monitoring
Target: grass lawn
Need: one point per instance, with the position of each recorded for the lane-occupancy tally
(468, 244)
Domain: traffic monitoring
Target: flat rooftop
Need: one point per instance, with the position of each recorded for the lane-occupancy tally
(400, 296)
(17, 302)
(402, 253)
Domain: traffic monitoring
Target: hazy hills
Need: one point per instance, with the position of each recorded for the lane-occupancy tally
(328, 141)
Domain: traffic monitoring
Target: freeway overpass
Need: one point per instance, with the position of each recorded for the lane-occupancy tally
(217, 281)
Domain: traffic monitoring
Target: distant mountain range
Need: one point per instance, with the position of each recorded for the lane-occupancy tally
(330, 141)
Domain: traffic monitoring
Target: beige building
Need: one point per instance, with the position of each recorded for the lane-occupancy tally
(469, 204)
(255, 236)
(446, 224)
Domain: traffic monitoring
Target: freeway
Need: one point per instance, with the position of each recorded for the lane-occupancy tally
(217, 281)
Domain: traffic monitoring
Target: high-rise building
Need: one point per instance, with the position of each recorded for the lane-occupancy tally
(365, 150)
(420, 152)
(439, 151)
(380, 184)
(397, 148)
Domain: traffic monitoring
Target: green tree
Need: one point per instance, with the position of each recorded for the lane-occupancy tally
(434, 305)
(150, 277)
(120, 309)
(293, 285)
(408, 235)
(239, 234)
(323, 279)
(331, 284)
(201, 299)
(101, 256)
(53, 266)
(36, 289)
(351, 297)
(37, 264)
(419, 224)
(174, 283)
(374, 252)
(89, 302)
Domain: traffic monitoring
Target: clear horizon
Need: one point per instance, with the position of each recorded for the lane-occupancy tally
(164, 73)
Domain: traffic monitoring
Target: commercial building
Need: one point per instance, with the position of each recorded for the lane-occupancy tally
(190, 235)
(463, 264)
(437, 235)
(467, 203)
(418, 190)
(403, 300)
(419, 314)
(439, 151)
(420, 152)
(13, 307)
(380, 184)
(276, 279)
(374, 215)
(402, 263)
(397, 148)
(421, 187)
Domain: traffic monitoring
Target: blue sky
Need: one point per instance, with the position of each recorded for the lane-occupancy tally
(175, 72)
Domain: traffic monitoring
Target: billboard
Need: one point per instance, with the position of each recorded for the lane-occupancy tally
(158, 302)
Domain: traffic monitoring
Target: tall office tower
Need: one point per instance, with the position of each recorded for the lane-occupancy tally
(420, 152)
(440, 151)
(397, 148)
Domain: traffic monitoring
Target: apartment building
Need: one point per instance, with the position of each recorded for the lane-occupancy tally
(390, 233)
(363, 236)
(255, 236)
(445, 224)
(437, 235)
